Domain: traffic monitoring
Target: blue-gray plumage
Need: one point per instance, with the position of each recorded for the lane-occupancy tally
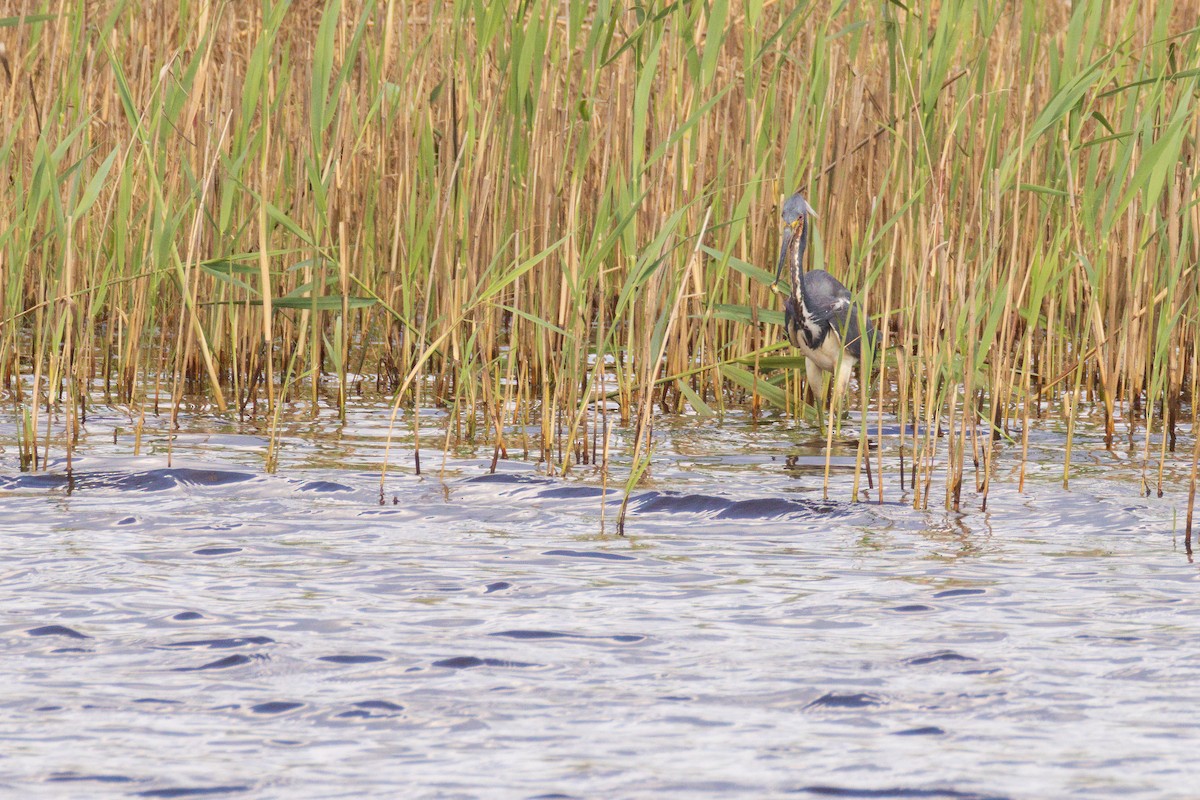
(819, 316)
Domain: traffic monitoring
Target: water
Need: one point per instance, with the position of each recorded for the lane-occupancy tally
(205, 629)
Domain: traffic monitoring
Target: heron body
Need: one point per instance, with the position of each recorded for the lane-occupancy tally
(820, 317)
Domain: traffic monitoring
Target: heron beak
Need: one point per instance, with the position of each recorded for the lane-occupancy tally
(789, 233)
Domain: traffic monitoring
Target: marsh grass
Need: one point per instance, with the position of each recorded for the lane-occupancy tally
(562, 215)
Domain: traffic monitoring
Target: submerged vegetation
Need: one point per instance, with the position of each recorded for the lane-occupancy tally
(516, 211)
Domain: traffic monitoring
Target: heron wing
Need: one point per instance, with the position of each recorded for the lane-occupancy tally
(833, 304)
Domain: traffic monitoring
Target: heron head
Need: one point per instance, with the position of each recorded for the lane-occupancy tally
(796, 212)
(795, 208)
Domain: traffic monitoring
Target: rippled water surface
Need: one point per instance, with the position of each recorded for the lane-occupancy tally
(196, 627)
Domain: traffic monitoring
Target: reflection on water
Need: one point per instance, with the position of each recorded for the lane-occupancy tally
(201, 628)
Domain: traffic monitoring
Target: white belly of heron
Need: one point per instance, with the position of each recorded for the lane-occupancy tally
(828, 354)
(827, 358)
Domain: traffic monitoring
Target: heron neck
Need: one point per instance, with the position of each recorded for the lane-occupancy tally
(797, 262)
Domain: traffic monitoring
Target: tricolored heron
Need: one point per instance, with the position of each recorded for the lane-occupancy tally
(819, 316)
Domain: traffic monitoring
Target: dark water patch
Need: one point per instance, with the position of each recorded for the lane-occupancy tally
(928, 730)
(127, 521)
(725, 508)
(158, 701)
(1109, 638)
(896, 430)
(80, 481)
(676, 503)
(357, 713)
(932, 658)
(48, 708)
(187, 616)
(535, 635)
(470, 662)
(838, 700)
(379, 705)
(198, 791)
(275, 707)
(958, 593)
(352, 659)
(216, 551)
(554, 796)
(571, 492)
(324, 487)
(498, 586)
(205, 477)
(57, 630)
(589, 554)
(460, 662)
(914, 608)
(775, 507)
(222, 644)
(70, 777)
(70, 650)
(228, 662)
(897, 793)
(153, 480)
